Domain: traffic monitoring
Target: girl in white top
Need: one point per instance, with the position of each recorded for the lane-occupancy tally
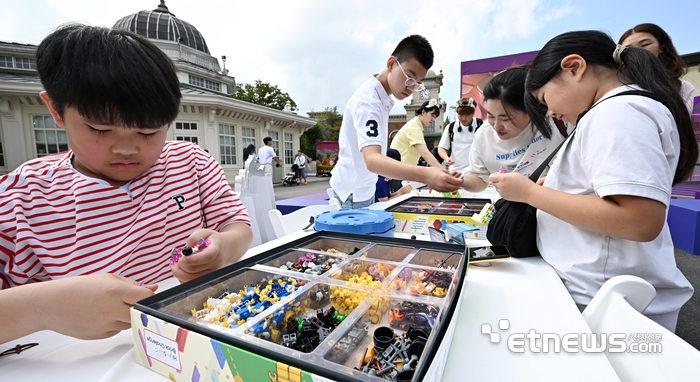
(602, 208)
(508, 142)
(654, 39)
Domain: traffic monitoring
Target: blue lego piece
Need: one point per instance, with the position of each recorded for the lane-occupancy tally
(262, 330)
(278, 317)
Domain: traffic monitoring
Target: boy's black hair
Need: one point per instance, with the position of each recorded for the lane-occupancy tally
(415, 46)
(111, 77)
(639, 67)
(424, 108)
(266, 140)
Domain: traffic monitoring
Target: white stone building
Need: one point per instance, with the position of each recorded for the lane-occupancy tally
(208, 115)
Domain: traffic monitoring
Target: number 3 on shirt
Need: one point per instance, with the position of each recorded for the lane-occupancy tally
(372, 128)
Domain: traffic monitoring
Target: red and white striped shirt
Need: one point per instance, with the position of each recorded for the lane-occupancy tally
(56, 223)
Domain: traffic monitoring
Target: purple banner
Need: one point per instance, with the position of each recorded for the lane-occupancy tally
(495, 64)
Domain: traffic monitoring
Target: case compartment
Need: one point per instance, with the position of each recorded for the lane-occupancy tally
(307, 320)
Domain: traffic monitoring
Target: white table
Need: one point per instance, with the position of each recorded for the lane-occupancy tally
(526, 291)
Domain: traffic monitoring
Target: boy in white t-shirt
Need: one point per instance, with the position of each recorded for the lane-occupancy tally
(508, 142)
(459, 135)
(363, 132)
(81, 230)
(266, 155)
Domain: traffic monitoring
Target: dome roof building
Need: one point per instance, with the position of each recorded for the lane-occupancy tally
(161, 24)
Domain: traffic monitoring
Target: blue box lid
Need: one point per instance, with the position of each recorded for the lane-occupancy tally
(362, 221)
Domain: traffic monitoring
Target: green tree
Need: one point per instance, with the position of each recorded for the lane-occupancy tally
(264, 94)
(330, 122)
(308, 140)
(326, 129)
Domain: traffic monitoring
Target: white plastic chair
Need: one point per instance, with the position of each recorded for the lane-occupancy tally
(285, 224)
(616, 308)
(238, 184)
(331, 196)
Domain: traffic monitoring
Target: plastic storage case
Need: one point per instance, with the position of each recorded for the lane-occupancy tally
(415, 214)
(172, 342)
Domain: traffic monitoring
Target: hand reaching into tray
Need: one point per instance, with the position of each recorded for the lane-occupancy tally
(211, 250)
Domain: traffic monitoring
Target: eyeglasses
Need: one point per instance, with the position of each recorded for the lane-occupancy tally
(411, 82)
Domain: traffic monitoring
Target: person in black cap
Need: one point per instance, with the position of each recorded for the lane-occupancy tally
(383, 192)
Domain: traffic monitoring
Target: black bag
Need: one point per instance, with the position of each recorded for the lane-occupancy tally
(514, 224)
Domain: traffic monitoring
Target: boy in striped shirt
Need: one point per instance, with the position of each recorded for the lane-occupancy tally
(79, 231)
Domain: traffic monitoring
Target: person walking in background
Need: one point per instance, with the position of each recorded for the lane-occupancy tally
(654, 39)
(300, 161)
(249, 152)
(410, 142)
(457, 138)
(266, 155)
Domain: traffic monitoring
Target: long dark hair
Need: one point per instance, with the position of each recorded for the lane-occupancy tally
(247, 151)
(667, 52)
(639, 67)
(509, 88)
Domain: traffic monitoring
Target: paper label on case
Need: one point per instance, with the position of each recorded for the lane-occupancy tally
(162, 349)
(418, 224)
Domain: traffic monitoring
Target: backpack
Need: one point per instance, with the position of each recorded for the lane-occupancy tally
(451, 133)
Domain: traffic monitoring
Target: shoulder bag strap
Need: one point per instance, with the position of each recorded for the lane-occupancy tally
(451, 134)
(536, 175)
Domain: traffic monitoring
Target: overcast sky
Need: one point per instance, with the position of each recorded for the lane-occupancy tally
(321, 51)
